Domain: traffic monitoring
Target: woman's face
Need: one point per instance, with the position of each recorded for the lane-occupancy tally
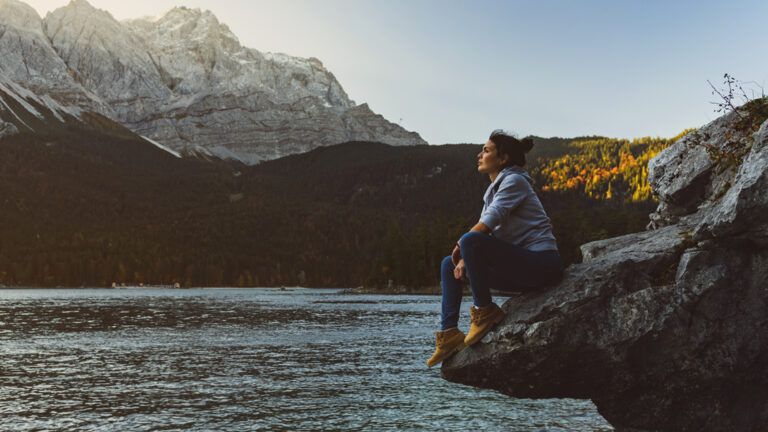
(488, 160)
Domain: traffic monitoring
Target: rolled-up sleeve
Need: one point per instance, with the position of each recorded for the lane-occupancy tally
(512, 191)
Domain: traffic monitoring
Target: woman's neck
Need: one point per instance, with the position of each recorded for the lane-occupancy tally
(495, 175)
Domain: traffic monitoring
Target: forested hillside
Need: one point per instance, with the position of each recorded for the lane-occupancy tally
(603, 168)
(89, 211)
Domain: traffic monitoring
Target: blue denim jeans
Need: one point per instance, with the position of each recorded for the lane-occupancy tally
(493, 263)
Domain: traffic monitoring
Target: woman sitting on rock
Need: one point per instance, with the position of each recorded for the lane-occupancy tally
(511, 248)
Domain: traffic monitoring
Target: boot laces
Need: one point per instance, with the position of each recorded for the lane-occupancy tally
(474, 315)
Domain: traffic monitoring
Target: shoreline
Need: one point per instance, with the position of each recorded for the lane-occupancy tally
(342, 290)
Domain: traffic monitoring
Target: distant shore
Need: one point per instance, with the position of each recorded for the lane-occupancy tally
(398, 290)
(402, 290)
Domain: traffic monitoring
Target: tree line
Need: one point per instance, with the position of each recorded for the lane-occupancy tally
(90, 211)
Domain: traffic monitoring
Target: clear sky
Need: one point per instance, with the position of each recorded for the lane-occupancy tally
(454, 70)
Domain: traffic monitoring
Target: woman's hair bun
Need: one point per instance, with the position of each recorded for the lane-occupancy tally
(507, 138)
(527, 144)
(508, 144)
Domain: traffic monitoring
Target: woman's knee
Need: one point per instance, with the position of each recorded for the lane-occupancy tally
(447, 265)
(472, 238)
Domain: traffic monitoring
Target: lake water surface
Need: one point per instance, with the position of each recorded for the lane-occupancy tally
(242, 359)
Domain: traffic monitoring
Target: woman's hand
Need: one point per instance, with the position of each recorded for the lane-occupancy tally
(459, 271)
(456, 254)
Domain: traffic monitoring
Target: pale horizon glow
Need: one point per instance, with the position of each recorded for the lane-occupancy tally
(454, 70)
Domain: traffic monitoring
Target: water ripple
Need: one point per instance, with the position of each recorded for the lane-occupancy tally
(233, 360)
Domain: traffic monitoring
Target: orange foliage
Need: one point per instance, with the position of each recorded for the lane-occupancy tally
(606, 169)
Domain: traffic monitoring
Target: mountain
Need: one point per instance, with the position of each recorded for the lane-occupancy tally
(24, 112)
(184, 80)
(88, 201)
(30, 61)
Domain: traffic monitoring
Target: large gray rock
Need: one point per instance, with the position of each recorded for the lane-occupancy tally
(741, 210)
(665, 330)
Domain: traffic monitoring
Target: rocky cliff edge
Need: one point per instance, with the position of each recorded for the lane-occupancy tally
(667, 329)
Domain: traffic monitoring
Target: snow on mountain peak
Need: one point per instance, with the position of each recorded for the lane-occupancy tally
(28, 57)
(20, 15)
(104, 55)
(80, 19)
(25, 99)
(185, 25)
(83, 4)
(83, 9)
(185, 80)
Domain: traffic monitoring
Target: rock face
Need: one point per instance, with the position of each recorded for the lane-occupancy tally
(665, 330)
(184, 80)
(23, 112)
(30, 61)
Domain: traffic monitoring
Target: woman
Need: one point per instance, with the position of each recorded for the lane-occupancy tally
(511, 248)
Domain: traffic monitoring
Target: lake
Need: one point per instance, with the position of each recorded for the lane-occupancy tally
(243, 359)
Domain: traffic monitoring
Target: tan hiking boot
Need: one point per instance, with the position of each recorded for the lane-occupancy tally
(447, 343)
(482, 321)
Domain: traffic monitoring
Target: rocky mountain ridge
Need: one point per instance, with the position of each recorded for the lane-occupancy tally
(184, 80)
(23, 112)
(667, 329)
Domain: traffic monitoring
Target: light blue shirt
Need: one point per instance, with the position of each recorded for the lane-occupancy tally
(514, 213)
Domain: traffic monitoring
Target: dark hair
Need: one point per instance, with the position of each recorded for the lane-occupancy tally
(507, 145)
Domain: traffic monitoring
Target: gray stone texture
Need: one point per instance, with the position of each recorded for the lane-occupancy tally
(185, 81)
(667, 329)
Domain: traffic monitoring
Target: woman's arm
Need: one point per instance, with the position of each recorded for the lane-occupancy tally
(456, 254)
(513, 190)
(483, 228)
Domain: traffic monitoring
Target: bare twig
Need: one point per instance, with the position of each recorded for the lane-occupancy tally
(759, 86)
(733, 94)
